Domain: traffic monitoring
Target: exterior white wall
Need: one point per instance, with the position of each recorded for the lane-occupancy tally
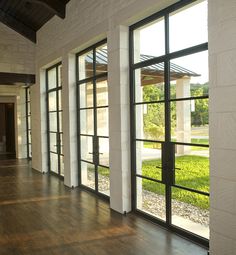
(17, 54)
(222, 52)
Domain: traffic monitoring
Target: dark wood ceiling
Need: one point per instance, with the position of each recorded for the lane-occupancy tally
(27, 16)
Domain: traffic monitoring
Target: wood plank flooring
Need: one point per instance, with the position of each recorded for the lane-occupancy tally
(40, 216)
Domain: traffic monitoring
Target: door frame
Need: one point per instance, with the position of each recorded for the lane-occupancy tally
(95, 137)
(166, 58)
(58, 133)
(28, 127)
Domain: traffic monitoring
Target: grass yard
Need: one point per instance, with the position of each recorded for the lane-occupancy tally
(104, 171)
(194, 174)
(200, 140)
(152, 145)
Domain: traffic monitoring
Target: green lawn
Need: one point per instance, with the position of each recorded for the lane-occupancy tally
(194, 174)
(103, 171)
(152, 145)
(199, 141)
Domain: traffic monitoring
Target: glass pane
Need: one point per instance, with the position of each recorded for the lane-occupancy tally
(86, 147)
(188, 26)
(88, 175)
(101, 59)
(86, 65)
(104, 180)
(102, 92)
(149, 83)
(60, 121)
(53, 121)
(190, 211)
(149, 41)
(148, 160)
(86, 122)
(29, 122)
(54, 162)
(104, 151)
(61, 141)
(189, 76)
(190, 121)
(28, 93)
(86, 95)
(151, 197)
(102, 122)
(192, 167)
(150, 121)
(29, 109)
(53, 142)
(52, 78)
(59, 76)
(29, 136)
(62, 165)
(30, 150)
(52, 101)
(59, 100)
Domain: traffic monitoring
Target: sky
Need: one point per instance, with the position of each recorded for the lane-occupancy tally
(188, 27)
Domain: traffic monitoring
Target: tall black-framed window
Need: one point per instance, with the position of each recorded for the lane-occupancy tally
(54, 120)
(92, 113)
(28, 122)
(169, 118)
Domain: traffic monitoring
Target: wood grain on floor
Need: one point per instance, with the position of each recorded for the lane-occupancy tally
(40, 216)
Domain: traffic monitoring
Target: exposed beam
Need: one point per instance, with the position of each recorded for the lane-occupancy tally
(16, 25)
(56, 6)
(12, 78)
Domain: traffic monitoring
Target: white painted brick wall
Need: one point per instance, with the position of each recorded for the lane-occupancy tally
(17, 54)
(222, 51)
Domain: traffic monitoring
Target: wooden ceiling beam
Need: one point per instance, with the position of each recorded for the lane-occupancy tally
(56, 6)
(16, 25)
(14, 78)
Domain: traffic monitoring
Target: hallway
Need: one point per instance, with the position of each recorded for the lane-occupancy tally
(39, 215)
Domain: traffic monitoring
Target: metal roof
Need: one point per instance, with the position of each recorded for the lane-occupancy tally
(176, 71)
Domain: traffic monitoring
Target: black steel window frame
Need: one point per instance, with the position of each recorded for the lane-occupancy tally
(28, 123)
(58, 111)
(166, 58)
(93, 79)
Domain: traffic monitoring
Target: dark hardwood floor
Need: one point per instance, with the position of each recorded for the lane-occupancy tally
(39, 215)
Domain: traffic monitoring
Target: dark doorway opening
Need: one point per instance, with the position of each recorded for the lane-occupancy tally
(7, 131)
